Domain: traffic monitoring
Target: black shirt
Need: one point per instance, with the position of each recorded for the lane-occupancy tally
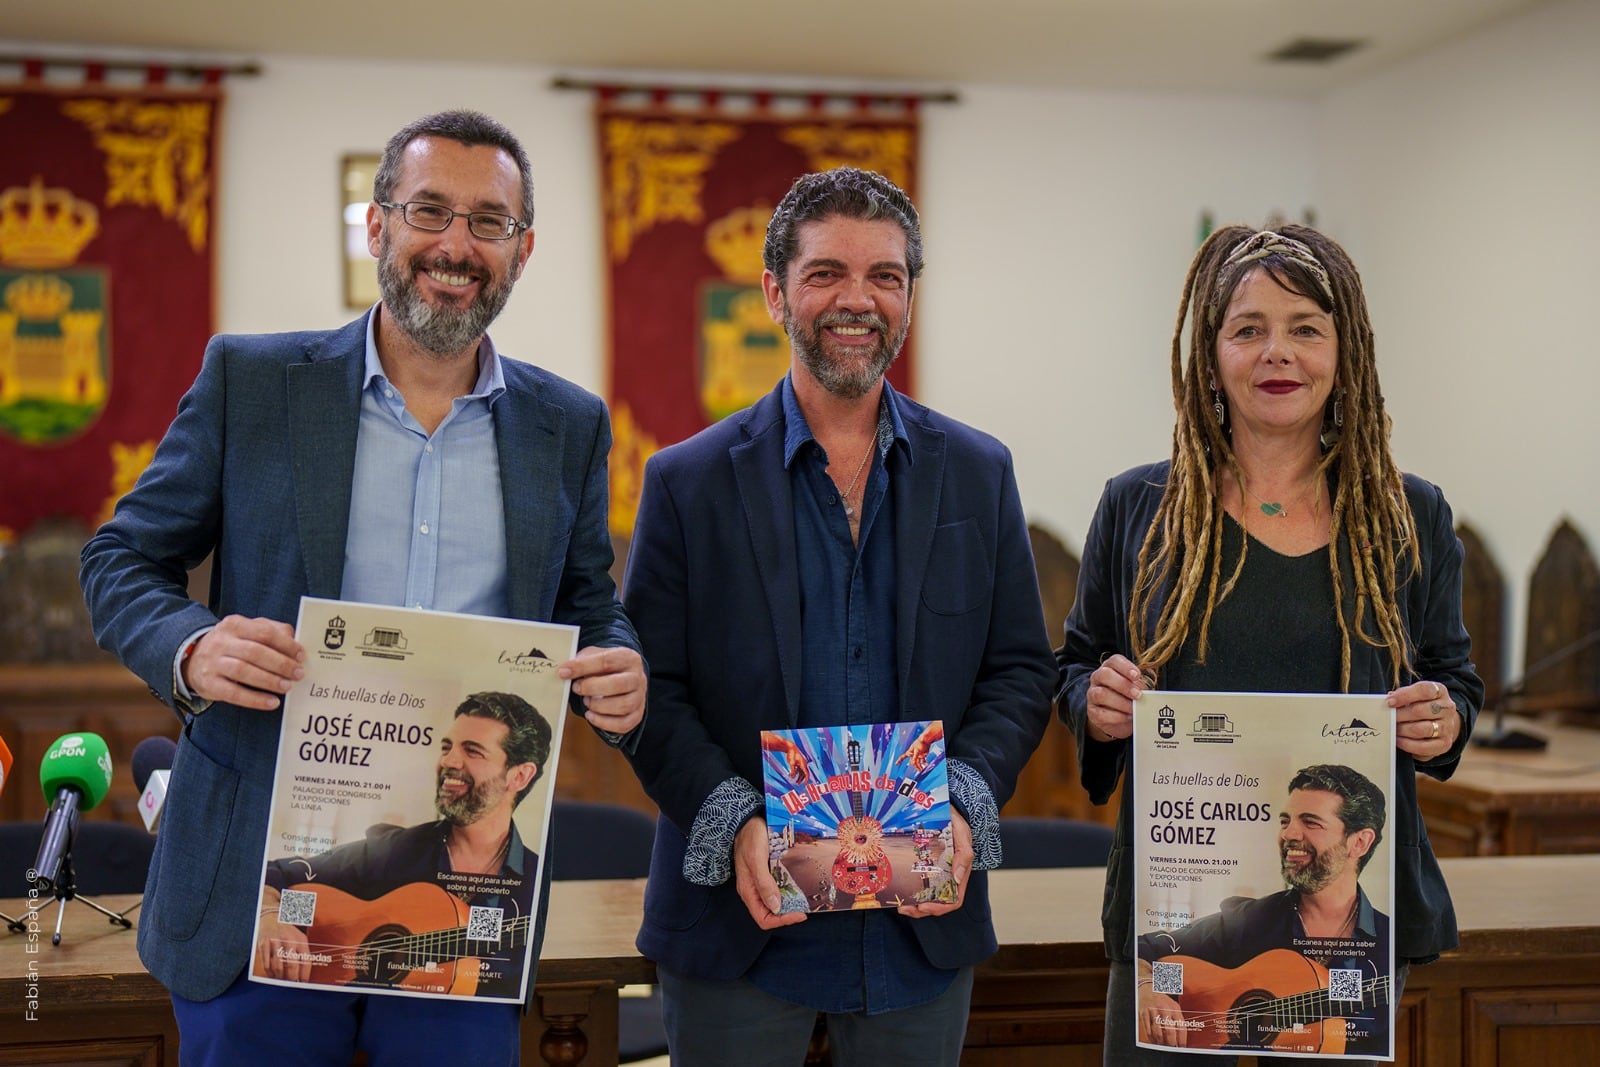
(1274, 633)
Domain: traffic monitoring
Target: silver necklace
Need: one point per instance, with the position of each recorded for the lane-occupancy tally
(494, 864)
(850, 512)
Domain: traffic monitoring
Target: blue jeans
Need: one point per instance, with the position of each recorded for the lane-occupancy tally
(276, 1026)
(734, 1024)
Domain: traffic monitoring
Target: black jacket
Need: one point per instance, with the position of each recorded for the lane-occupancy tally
(1430, 608)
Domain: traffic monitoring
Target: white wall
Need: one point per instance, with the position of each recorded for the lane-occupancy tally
(1466, 185)
(1059, 226)
(284, 134)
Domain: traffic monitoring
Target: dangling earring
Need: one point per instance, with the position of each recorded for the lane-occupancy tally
(1333, 425)
(1217, 408)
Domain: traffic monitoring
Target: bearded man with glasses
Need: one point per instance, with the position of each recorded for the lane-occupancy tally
(398, 460)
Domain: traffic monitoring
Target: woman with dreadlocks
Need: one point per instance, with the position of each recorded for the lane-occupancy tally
(1279, 550)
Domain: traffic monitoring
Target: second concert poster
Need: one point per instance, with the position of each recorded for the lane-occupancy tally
(1263, 877)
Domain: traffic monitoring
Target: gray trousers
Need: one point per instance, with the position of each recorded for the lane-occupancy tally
(734, 1024)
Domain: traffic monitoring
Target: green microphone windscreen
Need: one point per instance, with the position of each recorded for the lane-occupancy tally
(77, 761)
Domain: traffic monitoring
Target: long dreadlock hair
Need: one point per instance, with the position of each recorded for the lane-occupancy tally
(1182, 550)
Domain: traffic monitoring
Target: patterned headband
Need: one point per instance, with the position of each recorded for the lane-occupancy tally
(1267, 243)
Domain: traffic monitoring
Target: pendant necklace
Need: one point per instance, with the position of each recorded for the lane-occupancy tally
(1276, 509)
(850, 512)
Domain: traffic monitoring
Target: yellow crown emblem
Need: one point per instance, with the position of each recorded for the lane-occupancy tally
(44, 228)
(38, 297)
(735, 242)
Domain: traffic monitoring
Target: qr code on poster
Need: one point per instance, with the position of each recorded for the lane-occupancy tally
(297, 907)
(1344, 984)
(1168, 978)
(483, 924)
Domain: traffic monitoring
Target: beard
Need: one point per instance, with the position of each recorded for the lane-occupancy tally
(442, 330)
(843, 377)
(470, 806)
(1318, 872)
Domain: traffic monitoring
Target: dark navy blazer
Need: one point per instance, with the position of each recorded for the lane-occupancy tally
(257, 466)
(713, 587)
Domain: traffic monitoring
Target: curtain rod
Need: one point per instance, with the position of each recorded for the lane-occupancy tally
(592, 84)
(186, 67)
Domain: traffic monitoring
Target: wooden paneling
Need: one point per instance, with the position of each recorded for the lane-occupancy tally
(1561, 668)
(1483, 609)
(1049, 784)
(1531, 1025)
(1523, 989)
(1510, 802)
(42, 615)
(40, 702)
(592, 770)
(134, 1052)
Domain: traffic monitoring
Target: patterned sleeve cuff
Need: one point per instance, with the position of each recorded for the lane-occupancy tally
(708, 858)
(971, 795)
(181, 696)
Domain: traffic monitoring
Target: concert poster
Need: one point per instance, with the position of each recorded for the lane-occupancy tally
(411, 802)
(1263, 873)
(858, 816)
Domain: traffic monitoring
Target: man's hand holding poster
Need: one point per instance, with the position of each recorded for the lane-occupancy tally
(1263, 878)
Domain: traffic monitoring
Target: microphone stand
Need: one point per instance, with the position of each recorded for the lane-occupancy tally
(64, 888)
(1501, 737)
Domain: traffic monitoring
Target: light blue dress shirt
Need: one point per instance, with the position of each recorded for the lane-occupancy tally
(427, 519)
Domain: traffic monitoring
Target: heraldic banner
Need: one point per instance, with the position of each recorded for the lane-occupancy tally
(107, 223)
(686, 198)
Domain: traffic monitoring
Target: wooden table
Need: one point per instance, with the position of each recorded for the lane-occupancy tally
(90, 1000)
(1524, 988)
(1509, 802)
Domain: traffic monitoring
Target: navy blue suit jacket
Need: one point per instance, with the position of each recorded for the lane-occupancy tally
(713, 587)
(257, 466)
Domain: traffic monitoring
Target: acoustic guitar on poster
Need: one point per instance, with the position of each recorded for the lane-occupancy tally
(1279, 1000)
(414, 938)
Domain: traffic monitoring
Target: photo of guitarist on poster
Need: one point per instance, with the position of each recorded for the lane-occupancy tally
(469, 869)
(858, 816)
(1264, 880)
(1333, 818)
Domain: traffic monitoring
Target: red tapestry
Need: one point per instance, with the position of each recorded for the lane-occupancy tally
(107, 223)
(686, 198)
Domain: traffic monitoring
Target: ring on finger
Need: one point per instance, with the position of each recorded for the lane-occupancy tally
(1435, 735)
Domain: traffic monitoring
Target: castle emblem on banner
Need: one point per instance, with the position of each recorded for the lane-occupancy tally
(743, 353)
(54, 350)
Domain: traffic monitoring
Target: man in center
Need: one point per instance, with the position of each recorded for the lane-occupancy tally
(836, 553)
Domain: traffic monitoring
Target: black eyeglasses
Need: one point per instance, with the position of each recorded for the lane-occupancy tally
(489, 225)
